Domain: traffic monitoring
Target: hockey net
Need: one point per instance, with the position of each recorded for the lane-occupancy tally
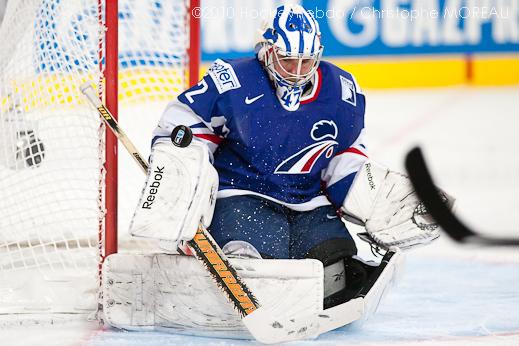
(53, 165)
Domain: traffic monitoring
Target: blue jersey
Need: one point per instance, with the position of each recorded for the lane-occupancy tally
(303, 159)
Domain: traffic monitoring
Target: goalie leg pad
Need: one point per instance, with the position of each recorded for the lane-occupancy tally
(366, 302)
(360, 307)
(179, 193)
(174, 293)
(345, 274)
(332, 254)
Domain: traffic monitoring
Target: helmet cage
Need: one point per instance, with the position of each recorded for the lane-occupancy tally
(276, 61)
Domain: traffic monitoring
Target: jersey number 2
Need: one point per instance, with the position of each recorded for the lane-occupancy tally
(189, 95)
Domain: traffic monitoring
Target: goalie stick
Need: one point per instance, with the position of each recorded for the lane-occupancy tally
(261, 323)
(428, 193)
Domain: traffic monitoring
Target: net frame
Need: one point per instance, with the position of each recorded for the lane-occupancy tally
(108, 81)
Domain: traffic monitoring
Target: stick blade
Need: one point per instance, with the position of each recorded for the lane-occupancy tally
(427, 191)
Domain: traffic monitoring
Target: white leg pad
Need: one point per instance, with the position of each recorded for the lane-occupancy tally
(174, 292)
(312, 325)
(364, 306)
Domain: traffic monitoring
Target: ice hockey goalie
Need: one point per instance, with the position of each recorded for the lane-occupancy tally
(277, 160)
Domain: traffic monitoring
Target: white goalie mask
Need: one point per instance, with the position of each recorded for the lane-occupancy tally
(290, 48)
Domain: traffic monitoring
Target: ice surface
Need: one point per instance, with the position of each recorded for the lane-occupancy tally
(449, 295)
(441, 299)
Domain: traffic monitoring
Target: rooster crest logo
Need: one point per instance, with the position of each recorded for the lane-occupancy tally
(323, 131)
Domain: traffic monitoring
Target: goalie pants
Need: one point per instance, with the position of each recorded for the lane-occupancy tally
(279, 232)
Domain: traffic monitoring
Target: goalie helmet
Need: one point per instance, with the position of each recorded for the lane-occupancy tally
(290, 49)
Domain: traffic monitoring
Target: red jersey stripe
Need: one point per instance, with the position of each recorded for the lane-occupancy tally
(353, 151)
(211, 138)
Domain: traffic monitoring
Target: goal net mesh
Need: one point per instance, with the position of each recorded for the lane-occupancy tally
(52, 142)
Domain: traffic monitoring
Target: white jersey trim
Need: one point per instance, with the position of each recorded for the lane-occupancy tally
(315, 202)
(346, 163)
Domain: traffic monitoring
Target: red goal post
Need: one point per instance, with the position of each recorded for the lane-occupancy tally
(111, 73)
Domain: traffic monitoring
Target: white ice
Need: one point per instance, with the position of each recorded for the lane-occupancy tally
(449, 294)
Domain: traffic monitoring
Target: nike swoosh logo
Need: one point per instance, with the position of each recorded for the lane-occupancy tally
(331, 217)
(249, 101)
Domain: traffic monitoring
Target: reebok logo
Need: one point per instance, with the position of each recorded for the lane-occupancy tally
(338, 276)
(370, 176)
(154, 188)
(252, 100)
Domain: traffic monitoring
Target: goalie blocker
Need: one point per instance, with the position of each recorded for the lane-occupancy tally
(179, 193)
